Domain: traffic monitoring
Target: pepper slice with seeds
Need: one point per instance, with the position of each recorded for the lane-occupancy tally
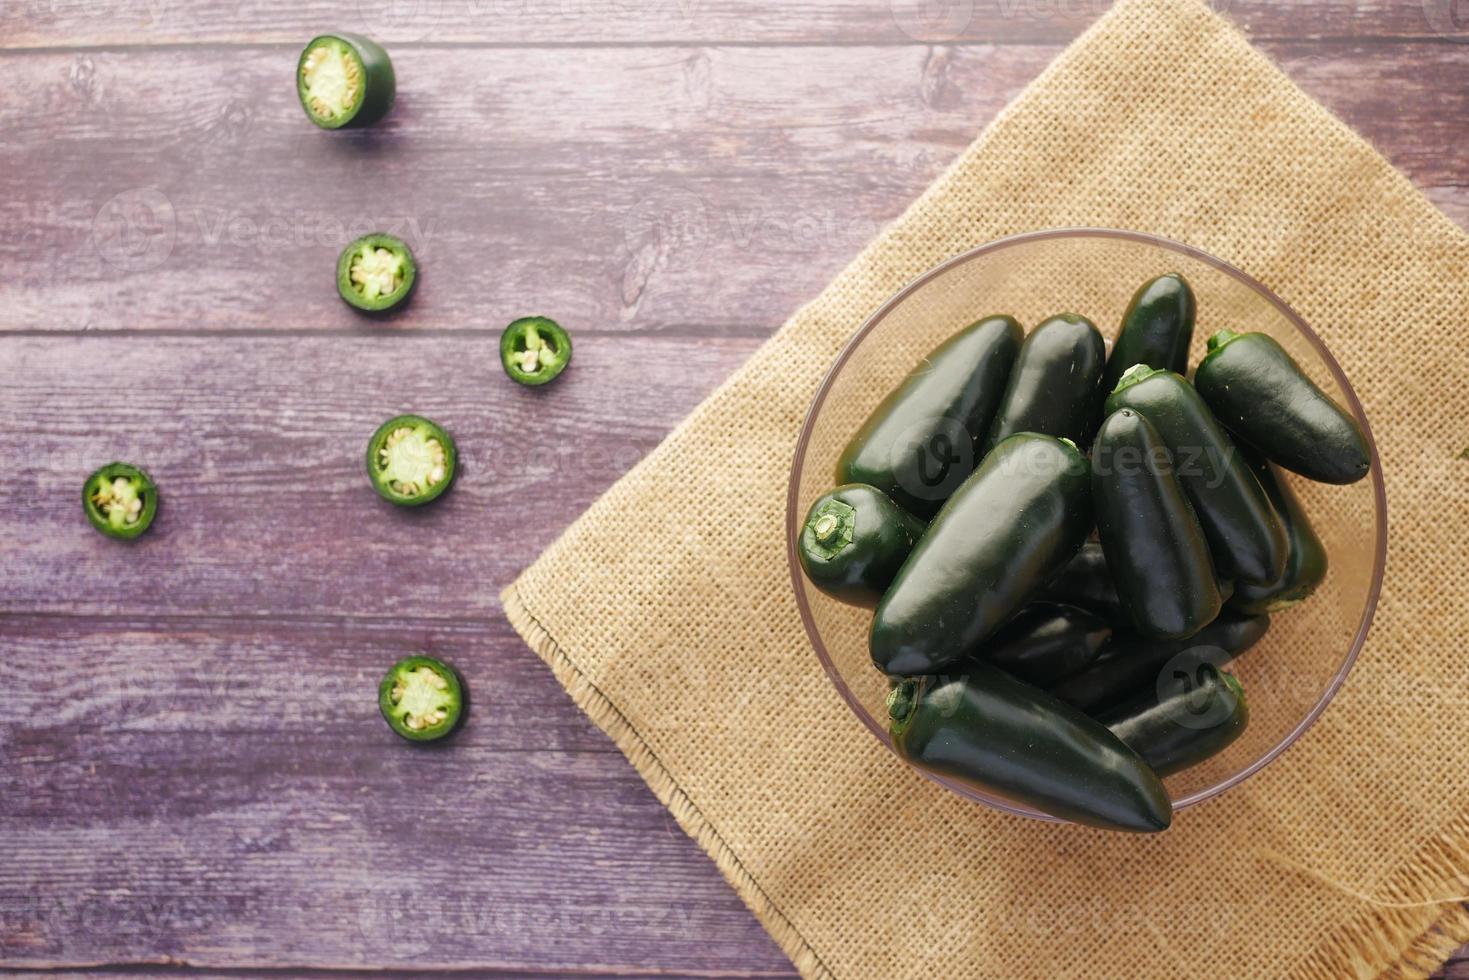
(534, 350)
(376, 272)
(411, 460)
(120, 500)
(345, 81)
(421, 698)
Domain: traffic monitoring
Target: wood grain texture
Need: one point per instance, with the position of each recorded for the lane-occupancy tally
(202, 784)
(67, 23)
(205, 789)
(258, 446)
(651, 189)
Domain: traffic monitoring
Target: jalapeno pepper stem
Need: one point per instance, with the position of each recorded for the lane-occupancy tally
(1232, 683)
(1134, 374)
(901, 701)
(1220, 338)
(830, 526)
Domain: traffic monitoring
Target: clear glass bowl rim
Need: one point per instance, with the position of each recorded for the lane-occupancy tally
(794, 515)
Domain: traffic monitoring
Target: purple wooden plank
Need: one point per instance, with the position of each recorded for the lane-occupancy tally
(1457, 967)
(619, 188)
(640, 188)
(220, 792)
(115, 22)
(257, 444)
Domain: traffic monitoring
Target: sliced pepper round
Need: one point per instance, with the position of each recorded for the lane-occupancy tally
(120, 500)
(344, 81)
(421, 698)
(534, 350)
(376, 272)
(411, 460)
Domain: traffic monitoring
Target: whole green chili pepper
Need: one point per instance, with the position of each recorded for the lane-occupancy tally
(989, 731)
(1306, 566)
(1045, 642)
(1156, 329)
(1182, 724)
(1129, 665)
(1261, 395)
(1006, 531)
(1085, 581)
(1245, 535)
(1053, 386)
(854, 541)
(1155, 548)
(919, 444)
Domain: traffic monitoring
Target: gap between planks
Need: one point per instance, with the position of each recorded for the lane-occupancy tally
(1038, 40)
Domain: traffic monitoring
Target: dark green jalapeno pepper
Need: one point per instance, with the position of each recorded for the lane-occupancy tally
(1261, 395)
(421, 698)
(120, 500)
(1085, 581)
(1155, 548)
(854, 541)
(1053, 386)
(1190, 718)
(1007, 530)
(1129, 665)
(1304, 569)
(1245, 535)
(344, 81)
(376, 272)
(989, 731)
(1156, 329)
(921, 442)
(1045, 642)
(534, 350)
(411, 460)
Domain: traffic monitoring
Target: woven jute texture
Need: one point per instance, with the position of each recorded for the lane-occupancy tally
(667, 609)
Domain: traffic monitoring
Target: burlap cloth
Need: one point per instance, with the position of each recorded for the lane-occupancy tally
(666, 610)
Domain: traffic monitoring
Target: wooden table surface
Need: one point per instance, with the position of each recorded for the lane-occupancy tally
(192, 767)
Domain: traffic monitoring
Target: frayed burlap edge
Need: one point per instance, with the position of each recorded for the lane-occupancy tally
(1415, 922)
(611, 720)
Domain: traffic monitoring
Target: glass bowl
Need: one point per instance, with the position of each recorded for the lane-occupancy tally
(1291, 674)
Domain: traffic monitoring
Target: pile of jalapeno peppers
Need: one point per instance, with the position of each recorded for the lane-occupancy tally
(1062, 549)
